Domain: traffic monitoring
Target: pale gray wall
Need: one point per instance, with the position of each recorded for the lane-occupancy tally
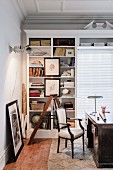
(10, 69)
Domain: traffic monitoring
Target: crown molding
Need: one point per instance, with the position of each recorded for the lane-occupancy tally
(49, 21)
(66, 15)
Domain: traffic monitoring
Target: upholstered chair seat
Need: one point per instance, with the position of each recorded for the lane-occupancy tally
(65, 134)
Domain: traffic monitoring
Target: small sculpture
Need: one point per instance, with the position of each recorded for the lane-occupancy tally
(103, 109)
(65, 91)
(102, 114)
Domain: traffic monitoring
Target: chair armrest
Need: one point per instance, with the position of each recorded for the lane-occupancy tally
(65, 125)
(78, 120)
(74, 119)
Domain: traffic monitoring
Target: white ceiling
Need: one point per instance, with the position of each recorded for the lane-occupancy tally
(64, 7)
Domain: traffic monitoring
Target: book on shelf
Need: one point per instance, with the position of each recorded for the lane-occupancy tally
(35, 72)
(70, 109)
(37, 84)
(34, 93)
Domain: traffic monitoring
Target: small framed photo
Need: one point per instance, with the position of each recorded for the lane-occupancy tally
(52, 66)
(70, 52)
(52, 87)
(13, 119)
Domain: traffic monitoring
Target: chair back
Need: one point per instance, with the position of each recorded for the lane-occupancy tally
(61, 116)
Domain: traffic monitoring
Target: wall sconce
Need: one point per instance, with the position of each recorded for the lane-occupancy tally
(19, 49)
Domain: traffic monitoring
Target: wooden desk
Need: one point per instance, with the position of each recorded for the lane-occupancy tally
(100, 139)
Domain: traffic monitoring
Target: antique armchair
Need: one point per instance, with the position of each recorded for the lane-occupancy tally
(67, 133)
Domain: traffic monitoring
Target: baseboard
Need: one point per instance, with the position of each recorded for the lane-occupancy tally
(4, 157)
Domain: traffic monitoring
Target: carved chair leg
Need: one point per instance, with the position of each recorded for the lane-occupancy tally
(58, 144)
(65, 143)
(72, 147)
(83, 141)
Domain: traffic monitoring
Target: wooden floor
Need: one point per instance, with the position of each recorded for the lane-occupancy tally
(32, 157)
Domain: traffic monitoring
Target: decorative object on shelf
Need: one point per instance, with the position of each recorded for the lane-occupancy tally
(99, 44)
(109, 44)
(95, 97)
(72, 72)
(34, 120)
(66, 73)
(52, 66)
(59, 51)
(65, 91)
(37, 105)
(45, 42)
(52, 86)
(85, 44)
(40, 42)
(99, 26)
(69, 52)
(13, 117)
(36, 63)
(42, 93)
(35, 43)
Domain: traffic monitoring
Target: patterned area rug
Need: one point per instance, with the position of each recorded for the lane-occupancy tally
(63, 160)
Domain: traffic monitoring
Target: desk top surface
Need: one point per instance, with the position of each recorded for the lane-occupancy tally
(108, 116)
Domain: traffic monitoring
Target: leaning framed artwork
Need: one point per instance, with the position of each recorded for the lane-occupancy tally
(52, 86)
(13, 116)
(70, 52)
(52, 66)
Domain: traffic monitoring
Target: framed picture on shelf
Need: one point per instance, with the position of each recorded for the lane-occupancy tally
(52, 66)
(52, 86)
(13, 118)
(69, 52)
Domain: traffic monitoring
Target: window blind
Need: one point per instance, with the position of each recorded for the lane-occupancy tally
(94, 77)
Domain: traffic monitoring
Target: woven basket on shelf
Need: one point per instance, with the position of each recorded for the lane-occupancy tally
(37, 106)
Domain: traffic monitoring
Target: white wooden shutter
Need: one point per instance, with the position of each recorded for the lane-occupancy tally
(94, 77)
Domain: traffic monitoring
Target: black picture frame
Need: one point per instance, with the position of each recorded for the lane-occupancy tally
(52, 67)
(15, 131)
(52, 87)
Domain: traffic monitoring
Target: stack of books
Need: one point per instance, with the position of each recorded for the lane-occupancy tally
(68, 84)
(34, 93)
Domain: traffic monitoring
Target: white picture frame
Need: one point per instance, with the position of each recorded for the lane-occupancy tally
(69, 52)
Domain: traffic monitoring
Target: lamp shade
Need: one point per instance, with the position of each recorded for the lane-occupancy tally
(94, 97)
